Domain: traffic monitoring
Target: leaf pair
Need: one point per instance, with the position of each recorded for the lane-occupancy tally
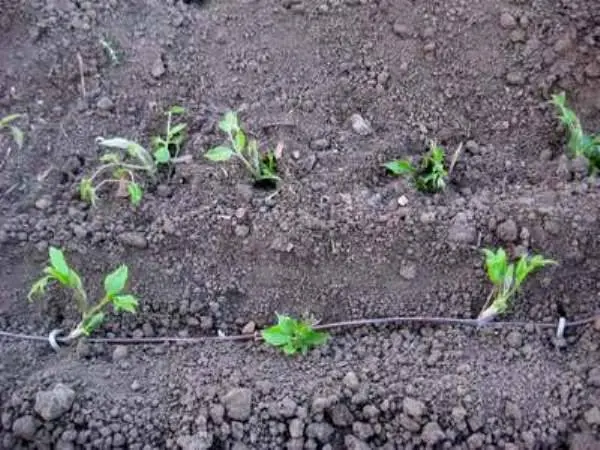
(429, 176)
(293, 336)
(262, 167)
(58, 271)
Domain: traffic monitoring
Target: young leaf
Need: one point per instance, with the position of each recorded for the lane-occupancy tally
(87, 192)
(400, 167)
(114, 282)
(74, 281)
(126, 303)
(496, 265)
(275, 336)
(91, 323)
(176, 109)
(240, 141)
(220, 153)
(229, 123)
(58, 262)
(38, 288)
(135, 193)
(8, 119)
(17, 135)
(177, 129)
(162, 155)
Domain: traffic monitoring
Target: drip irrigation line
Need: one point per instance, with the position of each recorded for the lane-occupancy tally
(55, 338)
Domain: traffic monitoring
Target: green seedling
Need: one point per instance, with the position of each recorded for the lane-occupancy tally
(130, 160)
(430, 175)
(507, 278)
(293, 336)
(17, 134)
(578, 142)
(261, 166)
(92, 316)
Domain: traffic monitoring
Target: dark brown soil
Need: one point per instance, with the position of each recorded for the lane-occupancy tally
(338, 240)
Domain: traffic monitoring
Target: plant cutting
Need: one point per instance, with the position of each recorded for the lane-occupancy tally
(293, 336)
(262, 166)
(507, 278)
(92, 315)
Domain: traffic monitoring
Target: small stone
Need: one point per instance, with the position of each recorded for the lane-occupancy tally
(514, 339)
(249, 328)
(592, 416)
(242, 231)
(54, 403)
(408, 271)
(202, 440)
(507, 231)
(43, 203)
(351, 380)
(432, 434)
(401, 30)
(512, 411)
(413, 408)
(472, 147)
(515, 78)
(25, 428)
(133, 239)
(427, 217)
(353, 443)
(136, 386)
(341, 415)
(476, 441)
(296, 428)
(360, 125)
(321, 431)
(238, 403)
(507, 21)
(580, 167)
(105, 104)
(402, 200)
(462, 230)
(120, 352)
(429, 47)
(518, 36)
(409, 424)
(363, 430)
(158, 68)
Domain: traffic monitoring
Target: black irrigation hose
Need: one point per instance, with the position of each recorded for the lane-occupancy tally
(327, 326)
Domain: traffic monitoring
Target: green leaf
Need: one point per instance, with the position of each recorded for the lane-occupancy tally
(400, 167)
(286, 324)
(220, 153)
(289, 349)
(56, 275)
(58, 262)
(240, 141)
(126, 303)
(74, 281)
(496, 265)
(120, 143)
(176, 109)
(229, 123)
(135, 193)
(8, 119)
(275, 337)
(38, 288)
(111, 158)
(115, 282)
(17, 135)
(91, 323)
(162, 155)
(315, 338)
(177, 129)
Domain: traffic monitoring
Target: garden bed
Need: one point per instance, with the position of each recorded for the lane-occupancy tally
(339, 239)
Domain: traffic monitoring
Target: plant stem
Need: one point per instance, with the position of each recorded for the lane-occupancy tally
(96, 308)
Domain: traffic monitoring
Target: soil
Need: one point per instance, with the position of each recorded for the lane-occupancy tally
(339, 239)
